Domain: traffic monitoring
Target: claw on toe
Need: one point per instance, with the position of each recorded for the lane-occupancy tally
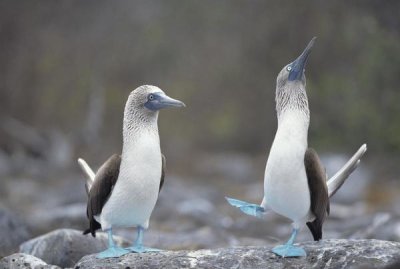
(253, 210)
(142, 249)
(236, 202)
(289, 251)
(113, 252)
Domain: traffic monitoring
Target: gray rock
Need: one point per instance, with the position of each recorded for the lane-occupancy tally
(13, 231)
(22, 260)
(324, 254)
(65, 247)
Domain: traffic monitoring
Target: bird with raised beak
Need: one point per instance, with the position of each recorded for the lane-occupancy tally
(295, 182)
(125, 189)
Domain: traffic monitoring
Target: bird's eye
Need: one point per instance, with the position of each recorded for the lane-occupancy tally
(288, 68)
(151, 97)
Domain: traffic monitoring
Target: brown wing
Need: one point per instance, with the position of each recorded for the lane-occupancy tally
(162, 171)
(318, 192)
(104, 181)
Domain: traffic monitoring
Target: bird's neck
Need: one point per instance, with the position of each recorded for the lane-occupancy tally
(137, 127)
(293, 114)
(293, 128)
(292, 100)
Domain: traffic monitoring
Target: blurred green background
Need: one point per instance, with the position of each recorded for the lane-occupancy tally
(70, 65)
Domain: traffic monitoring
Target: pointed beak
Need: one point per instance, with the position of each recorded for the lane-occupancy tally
(297, 67)
(161, 101)
(166, 101)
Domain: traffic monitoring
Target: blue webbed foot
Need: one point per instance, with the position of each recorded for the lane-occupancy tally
(253, 210)
(247, 208)
(142, 249)
(138, 247)
(112, 252)
(289, 251)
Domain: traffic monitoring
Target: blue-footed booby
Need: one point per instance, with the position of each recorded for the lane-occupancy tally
(125, 189)
(295, 182)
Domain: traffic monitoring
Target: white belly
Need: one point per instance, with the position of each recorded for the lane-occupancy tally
(136, 191)
(285, 183)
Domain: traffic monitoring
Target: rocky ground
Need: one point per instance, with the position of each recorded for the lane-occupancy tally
(334, 253)
(191, 214)
(325, 254)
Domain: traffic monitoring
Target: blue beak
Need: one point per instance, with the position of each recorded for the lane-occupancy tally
(161, 101)
(297, 67)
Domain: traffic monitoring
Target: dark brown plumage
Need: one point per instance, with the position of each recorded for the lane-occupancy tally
(318, 192)
(163, 161)
(104, 181)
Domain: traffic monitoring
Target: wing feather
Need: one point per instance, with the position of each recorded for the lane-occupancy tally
(101, 187)
(104, 181)
(316, 176)
(163, 167)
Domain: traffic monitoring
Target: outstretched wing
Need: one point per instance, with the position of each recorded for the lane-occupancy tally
(100, 191)
(162, 171)
(318, 192)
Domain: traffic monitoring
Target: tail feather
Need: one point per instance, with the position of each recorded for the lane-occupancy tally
(88, 172)
(335, 182)
(89, 175)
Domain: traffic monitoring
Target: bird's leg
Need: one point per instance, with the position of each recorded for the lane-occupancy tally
(113, 250)
(292, 237)
(288, 249)
(247, 208)
(139, 238)
(138, 244)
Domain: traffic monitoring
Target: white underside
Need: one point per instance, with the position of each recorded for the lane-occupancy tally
(136, 191)
(285, 183)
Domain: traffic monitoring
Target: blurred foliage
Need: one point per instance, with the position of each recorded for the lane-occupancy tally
(220, 57)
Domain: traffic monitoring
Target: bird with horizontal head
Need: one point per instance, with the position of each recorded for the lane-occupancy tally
(125, 189)
(295, 182)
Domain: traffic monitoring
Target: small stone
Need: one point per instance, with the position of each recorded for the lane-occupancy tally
(64, 247)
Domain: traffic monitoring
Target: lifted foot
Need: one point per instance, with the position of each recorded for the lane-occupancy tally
(289, 251)
(247, 208)
(142, 249)
(112, 252)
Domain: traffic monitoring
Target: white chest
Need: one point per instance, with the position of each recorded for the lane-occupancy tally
(285, 182)
(136, 191)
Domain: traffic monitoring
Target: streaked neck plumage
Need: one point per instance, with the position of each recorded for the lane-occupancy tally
(292, 111)
(138, 121)
(292, 97)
